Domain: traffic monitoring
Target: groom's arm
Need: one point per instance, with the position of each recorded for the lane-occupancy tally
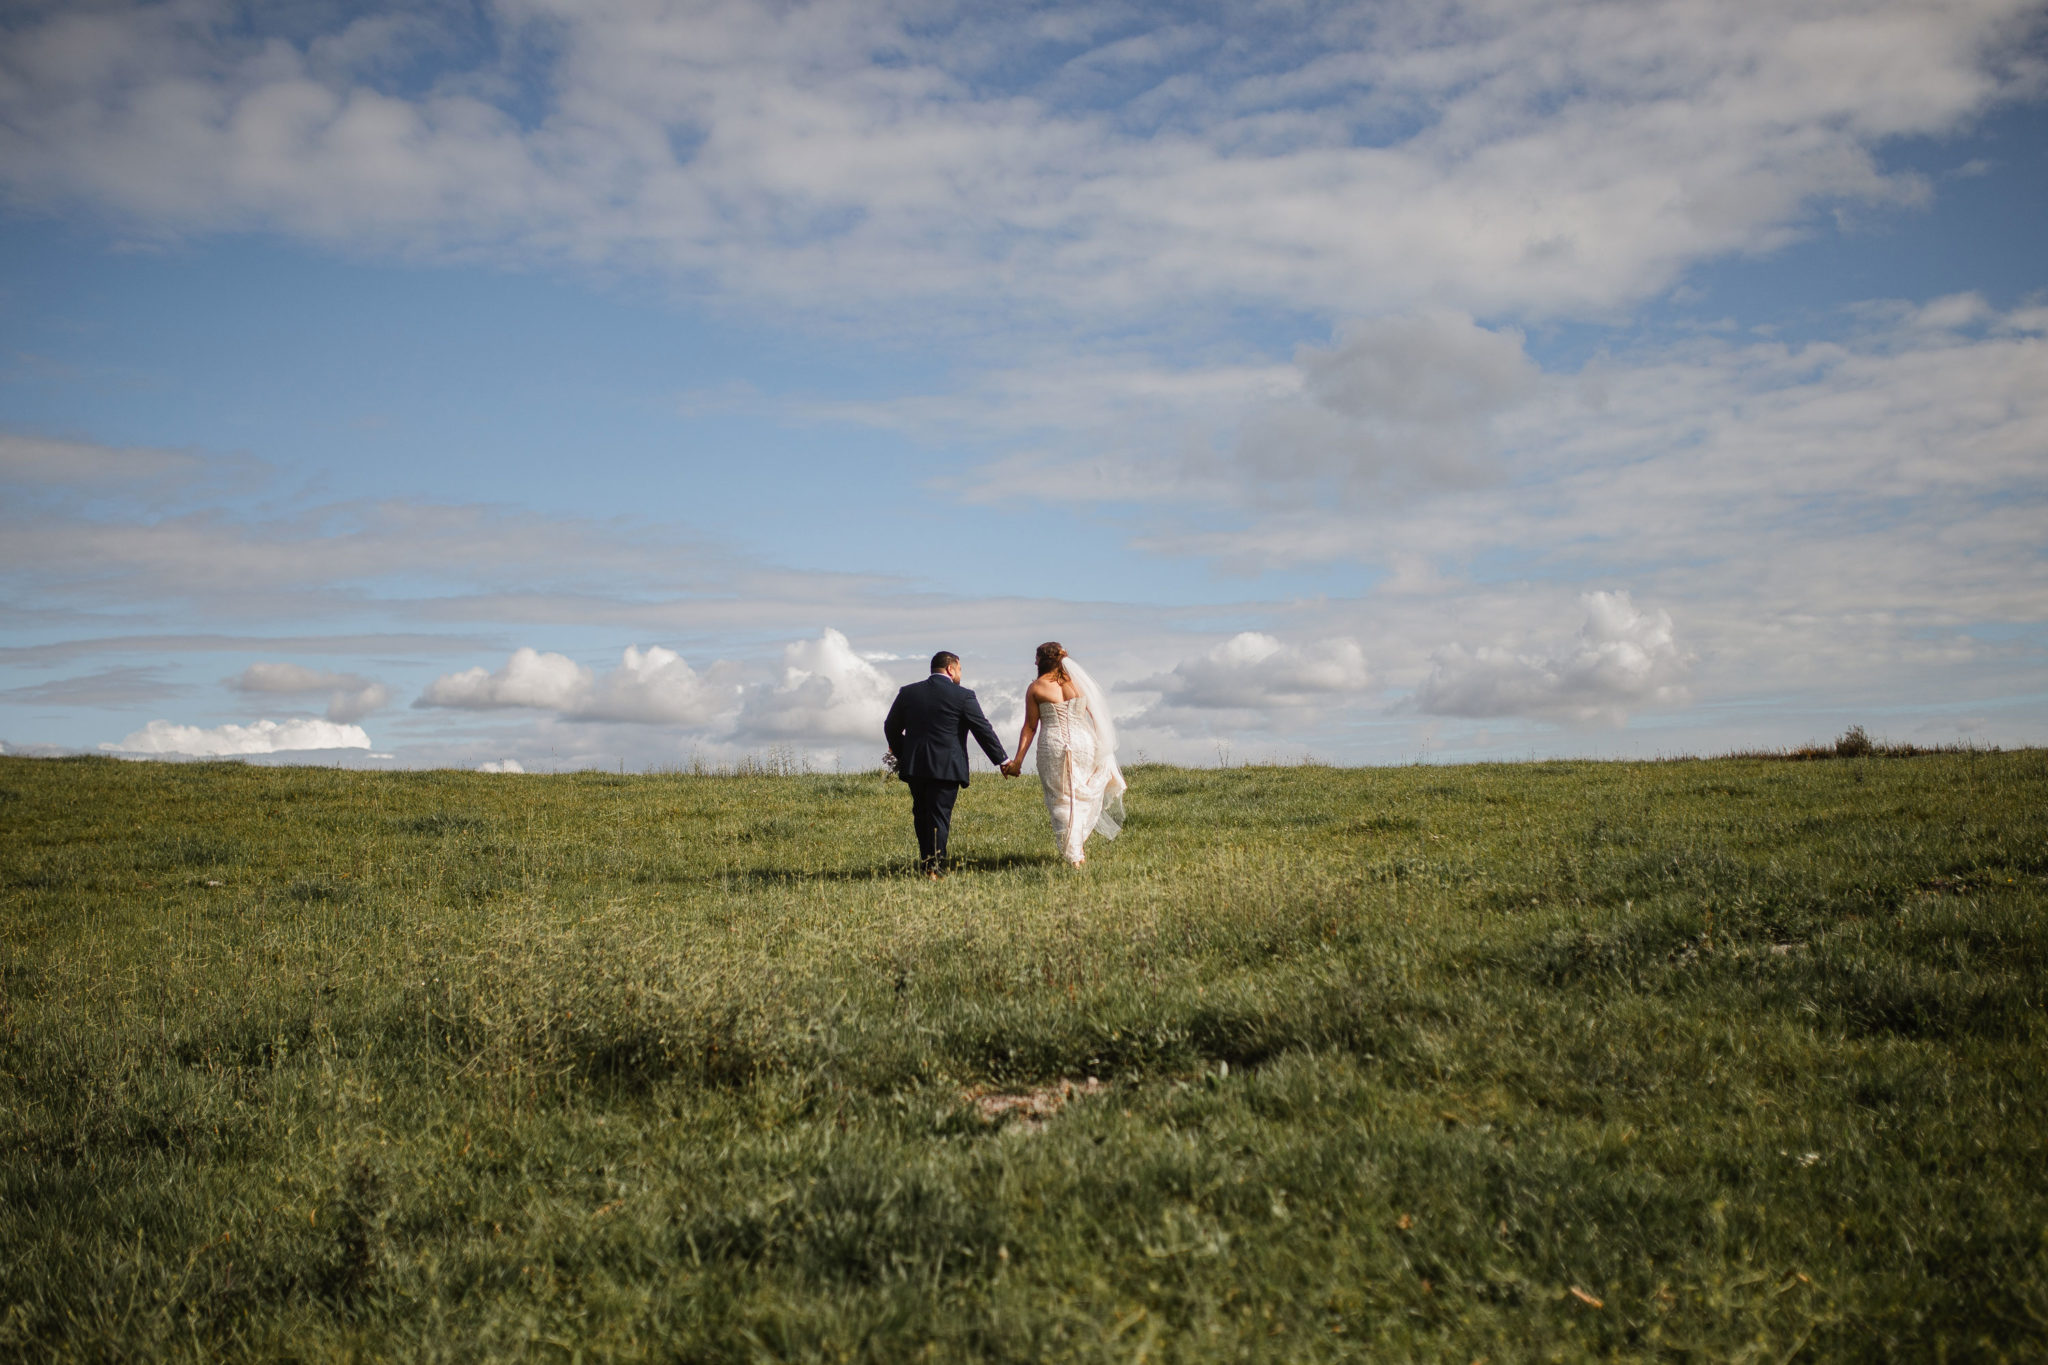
(984, 733)
(892, 728)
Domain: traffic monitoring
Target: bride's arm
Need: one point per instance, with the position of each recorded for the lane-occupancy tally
(1016, 763)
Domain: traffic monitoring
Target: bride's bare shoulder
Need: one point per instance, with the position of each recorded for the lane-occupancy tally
(1044, 689)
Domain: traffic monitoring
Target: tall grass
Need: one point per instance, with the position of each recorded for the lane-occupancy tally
(1726, 1059)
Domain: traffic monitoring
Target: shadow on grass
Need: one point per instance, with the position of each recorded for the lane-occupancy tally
(1001, 862)
(883, 869)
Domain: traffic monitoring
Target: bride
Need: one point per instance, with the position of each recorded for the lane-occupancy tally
(1084, 791)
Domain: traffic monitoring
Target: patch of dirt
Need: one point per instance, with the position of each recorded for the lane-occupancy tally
(1029, 1109)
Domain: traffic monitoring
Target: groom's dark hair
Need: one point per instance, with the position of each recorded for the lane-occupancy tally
(944, 660)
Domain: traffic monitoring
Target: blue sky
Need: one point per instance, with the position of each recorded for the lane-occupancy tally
(631, 383)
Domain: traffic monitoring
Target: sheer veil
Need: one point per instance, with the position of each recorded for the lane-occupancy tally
(1112, 819)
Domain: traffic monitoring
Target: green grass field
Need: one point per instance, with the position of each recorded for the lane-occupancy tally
(1725, 1060)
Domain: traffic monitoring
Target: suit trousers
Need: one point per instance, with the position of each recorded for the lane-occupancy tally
(931, 811)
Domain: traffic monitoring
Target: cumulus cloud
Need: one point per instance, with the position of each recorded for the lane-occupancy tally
(549, 682)
(350, 697)
(1254, 671)
(501, 765)
(1623, 659)
(653, 686)
(258, 737)
(827, 692)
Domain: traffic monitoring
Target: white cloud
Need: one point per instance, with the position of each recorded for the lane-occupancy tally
(1624, 659)
(547, 682)
(1812, 508)
(827, 692)
(1857, 513)
(1256, 672)
(649, 687)
(1541, 157)
(1395, 405)
(258, 737)
(501, 765)
(350, 697)
(655, 687)
(1399, 400)
(823, 695)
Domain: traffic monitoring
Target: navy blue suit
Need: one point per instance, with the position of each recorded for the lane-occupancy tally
(927, 730)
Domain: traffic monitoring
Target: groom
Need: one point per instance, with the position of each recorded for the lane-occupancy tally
(927, 730)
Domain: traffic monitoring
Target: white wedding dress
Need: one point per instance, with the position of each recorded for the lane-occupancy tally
(1084, 789)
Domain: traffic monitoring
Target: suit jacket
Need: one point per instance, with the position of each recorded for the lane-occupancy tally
(928, 727)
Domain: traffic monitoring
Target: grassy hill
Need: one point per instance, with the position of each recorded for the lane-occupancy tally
(1733, 1059)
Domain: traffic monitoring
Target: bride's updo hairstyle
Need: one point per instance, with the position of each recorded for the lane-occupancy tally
(1049, 655)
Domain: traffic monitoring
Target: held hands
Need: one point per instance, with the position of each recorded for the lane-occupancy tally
(1013, 767)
